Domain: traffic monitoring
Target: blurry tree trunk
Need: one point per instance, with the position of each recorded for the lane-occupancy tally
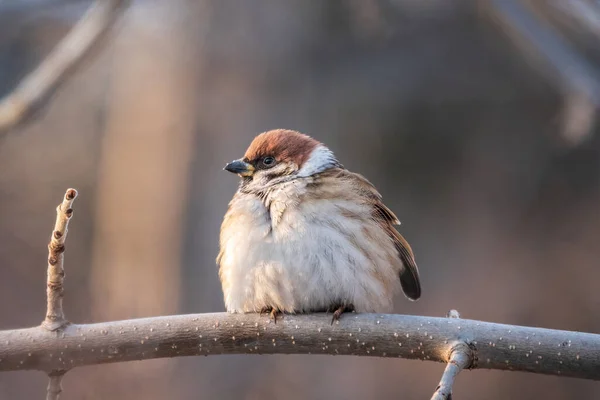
(143, 178)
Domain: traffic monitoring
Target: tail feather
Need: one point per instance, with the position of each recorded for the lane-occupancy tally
(411, 284)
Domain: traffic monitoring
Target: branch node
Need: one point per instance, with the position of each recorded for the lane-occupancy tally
(71, 194)
(461, 357)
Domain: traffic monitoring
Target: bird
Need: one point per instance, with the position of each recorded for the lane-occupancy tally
(303, 234)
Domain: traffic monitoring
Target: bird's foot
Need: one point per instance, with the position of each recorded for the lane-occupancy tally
(339, 310)
(265, 310)
(273, 313)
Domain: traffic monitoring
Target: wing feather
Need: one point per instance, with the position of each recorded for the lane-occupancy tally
(409, 275)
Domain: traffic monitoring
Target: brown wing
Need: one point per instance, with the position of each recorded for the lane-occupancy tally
(409, 275)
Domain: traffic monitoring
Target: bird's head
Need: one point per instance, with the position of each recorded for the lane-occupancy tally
(282, 155)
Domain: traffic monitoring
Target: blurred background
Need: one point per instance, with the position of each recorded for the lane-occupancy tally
(476, 120)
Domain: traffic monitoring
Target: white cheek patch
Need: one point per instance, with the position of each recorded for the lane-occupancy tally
(321, 158)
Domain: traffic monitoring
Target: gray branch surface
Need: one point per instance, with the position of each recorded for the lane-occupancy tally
(39, 84)
(494, 346)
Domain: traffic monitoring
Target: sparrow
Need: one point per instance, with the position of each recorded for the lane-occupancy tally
(303, 234)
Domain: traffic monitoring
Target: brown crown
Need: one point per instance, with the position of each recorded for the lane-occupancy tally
(283, 144)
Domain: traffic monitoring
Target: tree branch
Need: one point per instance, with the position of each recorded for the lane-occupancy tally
(576, 78)
(39, 85)
(54, 386)
(494, 346)
(461, 357)
(55, 317)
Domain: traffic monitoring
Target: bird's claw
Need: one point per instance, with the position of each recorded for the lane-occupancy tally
(340, 310)
(273, 313)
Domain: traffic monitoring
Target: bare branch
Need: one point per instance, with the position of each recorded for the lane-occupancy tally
(54, 386)
(580, 13)
(55, 317)
(39, 85)
(494, 346)
(550, 53)
(461, 357)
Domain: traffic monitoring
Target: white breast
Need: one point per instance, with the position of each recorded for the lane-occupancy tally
(300, 256)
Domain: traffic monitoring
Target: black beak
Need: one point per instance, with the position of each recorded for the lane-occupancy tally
(240, 167)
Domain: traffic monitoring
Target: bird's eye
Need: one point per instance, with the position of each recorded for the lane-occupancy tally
(268, 161)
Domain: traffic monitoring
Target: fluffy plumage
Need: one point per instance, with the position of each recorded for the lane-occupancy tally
(304, 234)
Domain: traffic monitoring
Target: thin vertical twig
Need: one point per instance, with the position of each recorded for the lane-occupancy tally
(54, 388)
(55, 317)
(460, 358)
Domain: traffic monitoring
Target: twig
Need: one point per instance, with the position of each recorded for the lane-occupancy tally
(576, 78)
(55, 317)
(39, 85)
(54, 386)
(460, 358)
(579, 13)
(494, 346)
